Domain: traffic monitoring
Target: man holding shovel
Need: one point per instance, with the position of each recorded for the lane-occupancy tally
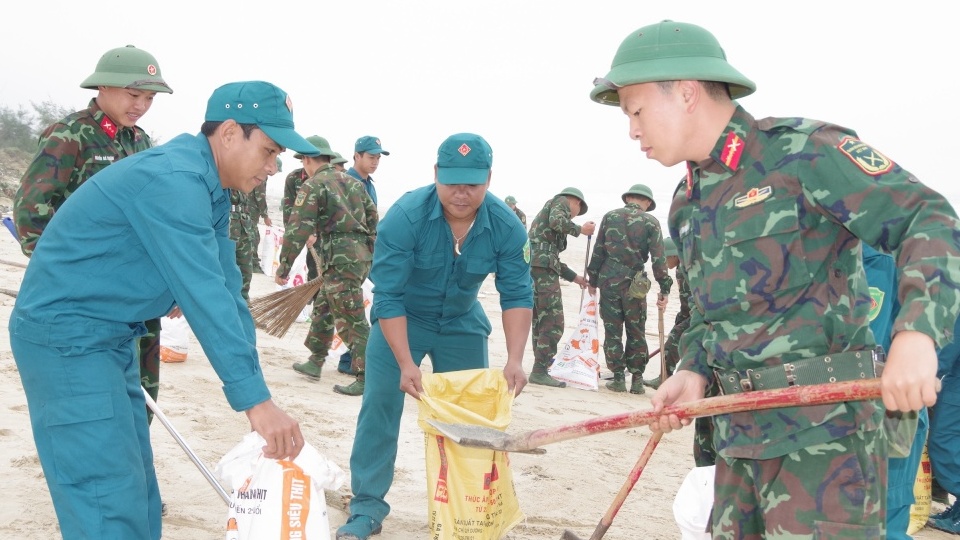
(628, 236)
(769, 224)
(435, 246)
(147, 233)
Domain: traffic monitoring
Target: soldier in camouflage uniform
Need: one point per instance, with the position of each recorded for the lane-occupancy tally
(548, 237)
(338, 162)
(336, 209)
(291, 186)
(259, 210)
(84, 143)
(627, 237)
(769, 229)
(245, 212)
(512, 203)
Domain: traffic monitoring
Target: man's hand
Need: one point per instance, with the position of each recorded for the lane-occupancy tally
(681, 387)
(411, 380)
(282, 433)
(312, 240)
(581, 281)
(588, 228)
(175, 313)
(661, 301)
(592, 289)
(909, 380)
(281, 280)
(267, 221)
(516, 378)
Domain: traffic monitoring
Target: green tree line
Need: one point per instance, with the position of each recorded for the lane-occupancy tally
(20, 127)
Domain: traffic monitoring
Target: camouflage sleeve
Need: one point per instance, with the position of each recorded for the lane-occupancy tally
(260, 200)
(889, 209)
(599, 254)
(373, 217)
(658, 259)
(302, 224)
(289, 194)
(693, 357)
(560, 220)
(42, 187)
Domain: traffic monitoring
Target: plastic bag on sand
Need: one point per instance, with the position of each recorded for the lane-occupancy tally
(470, 492)
(577, 364)
(692, 505)
(269, 248)
(277, 498)
(174, 339)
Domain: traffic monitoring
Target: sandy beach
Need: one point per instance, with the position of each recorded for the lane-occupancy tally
(570, 486)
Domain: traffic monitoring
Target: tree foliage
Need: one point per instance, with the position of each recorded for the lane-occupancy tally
(20, 127)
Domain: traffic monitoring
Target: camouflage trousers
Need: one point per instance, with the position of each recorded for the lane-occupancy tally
(704, 453)
(246, 255)
(340, 307)
(833, 490)
(671, 345)
(547, 317)
(621, 313)
(149, 347)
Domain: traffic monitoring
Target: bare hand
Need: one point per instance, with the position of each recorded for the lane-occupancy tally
(909, 380)
(175, 313)
(267, 221)
(588, 228)
(516, 378)
(281, 280)
(282, 433)
(592, 289)
(661, 301)
(312, 240)
(681, 387)
(411, 380)
(579, 280)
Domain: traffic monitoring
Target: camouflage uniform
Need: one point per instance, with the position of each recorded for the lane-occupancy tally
(70, 152)
(291, 186)
(242, 227)
(521, 215)
(768, 232)
(258, 211)
(548, 237)
(337, 209)
(626, 238)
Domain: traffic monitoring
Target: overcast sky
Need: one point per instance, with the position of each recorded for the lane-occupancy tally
(517, 72)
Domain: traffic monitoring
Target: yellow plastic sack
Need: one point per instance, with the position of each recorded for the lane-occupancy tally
(470, 493)
(920, 510)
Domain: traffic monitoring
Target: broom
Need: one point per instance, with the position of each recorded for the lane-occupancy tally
(276, 312)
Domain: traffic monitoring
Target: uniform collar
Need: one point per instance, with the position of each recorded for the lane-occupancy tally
(107, 125)
(353, 172)
(728, 151)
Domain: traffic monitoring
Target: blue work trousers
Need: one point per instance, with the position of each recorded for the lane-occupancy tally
(374, 454)
(90, 426)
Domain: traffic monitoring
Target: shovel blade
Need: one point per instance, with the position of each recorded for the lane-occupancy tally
(482, 437)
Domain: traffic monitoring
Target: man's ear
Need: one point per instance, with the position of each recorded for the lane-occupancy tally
(690, 91)
(228, 131)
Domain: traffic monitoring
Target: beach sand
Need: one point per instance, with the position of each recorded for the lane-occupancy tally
(571, 486)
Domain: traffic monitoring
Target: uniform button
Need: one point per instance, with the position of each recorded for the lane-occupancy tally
(837, 273)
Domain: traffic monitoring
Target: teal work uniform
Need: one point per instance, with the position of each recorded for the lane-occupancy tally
(147, 233)
(416, 275)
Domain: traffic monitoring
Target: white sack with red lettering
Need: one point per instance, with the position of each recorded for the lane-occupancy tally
(277, 498)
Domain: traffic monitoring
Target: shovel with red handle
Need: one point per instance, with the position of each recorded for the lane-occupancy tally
(531, 441)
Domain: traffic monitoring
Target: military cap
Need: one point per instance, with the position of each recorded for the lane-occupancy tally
(370, 145)
(642, 191)
(127, 67)
(578, 194)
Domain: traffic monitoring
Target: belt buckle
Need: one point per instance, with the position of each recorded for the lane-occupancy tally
(745, 383)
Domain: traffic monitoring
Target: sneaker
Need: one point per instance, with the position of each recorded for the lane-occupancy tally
(359, 528)
(308, 368)
(938, 494)
(354, 389)
(952, 511)
(652, 383)
(636, 384)
(618, 384)
(950, 524)
(546, 380)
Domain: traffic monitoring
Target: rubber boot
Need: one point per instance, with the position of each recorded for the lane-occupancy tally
(636, 384)
(546, 380)
(653, 383)
(618, 384)
(311, 368)
(353, 389)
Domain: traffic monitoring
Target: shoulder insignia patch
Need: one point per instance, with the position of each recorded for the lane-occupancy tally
(732, 149)
(301, 196)
(753, 197)
(526, 252)
(876, 303)
(869, 160)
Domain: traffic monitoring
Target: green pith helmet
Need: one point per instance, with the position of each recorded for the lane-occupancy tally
(643, 191)
(510, 199)
(127, 67)
(323, 147)
(669, 51)
(337, 159)
(578, 194)
(669, 247)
